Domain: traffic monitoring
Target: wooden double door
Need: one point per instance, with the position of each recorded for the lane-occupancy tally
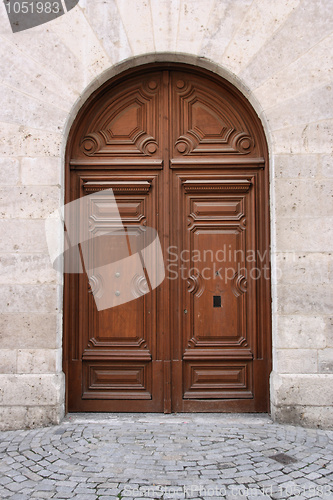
(184, 154)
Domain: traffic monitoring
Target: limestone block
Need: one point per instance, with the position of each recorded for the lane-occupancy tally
(329, 331)
(309, 299)
(47, 49)
(296, 166)
(17, 140)
(31, 78)
(293, 197)
(137, 20)
(193, 20)
(302, 389)
(31, 390)
(224, 20)
(307, 138)
(23, 236)
(38, 171)
(262, 18)
(29, 298)
(313, 69)
(295, 360)
(327, 165)
(307, 416)
(29, 202)
(305, 332)
(303, 267)
(23, 269)
(29, 417)
(39, 360)
(165, 15)
(30, 331)
(16, 107)
(309, 234)
(290, 41)
(104, 18)
(75, 31)
(310, 106)
(8, 360)
(325, 360)
(9, 171)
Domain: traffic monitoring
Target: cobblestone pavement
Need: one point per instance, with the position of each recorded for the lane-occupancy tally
(206, 456)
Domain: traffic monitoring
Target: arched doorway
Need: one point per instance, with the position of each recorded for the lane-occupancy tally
(184, 153)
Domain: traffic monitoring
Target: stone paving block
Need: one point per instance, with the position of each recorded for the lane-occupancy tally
(81, 471)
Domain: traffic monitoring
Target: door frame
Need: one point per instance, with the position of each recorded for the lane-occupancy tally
(69, 321)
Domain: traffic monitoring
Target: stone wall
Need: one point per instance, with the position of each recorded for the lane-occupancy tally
(279, 54)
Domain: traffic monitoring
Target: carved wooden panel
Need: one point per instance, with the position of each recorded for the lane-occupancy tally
(116, 381)
(206, 121)
(125, 123)
(218, 380)
(184, 153)
(123, 333)
(218, 231)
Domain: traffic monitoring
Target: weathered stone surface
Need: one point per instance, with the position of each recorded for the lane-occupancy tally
(31, 390)
(39, 360)
(296, 360)
(73, 27)
(23, 236)
(29, 77)
(30, 331)
(307, 416)
(311, 106)
(9, 171)
(41, 171)
(137, 21)
(312, 299)
(327, 165)
(27, 417)
(19, 140)
(329, 330)
(304, 138)
(25, 268)
(312, 69)
(305, 332)
(310, 234)
(224, 21)
(8, 360)
(28, 299)
(325, 360)
(29, 202)
(165, 15)
(302, 389)
(290, 42)
(296, 166)
(296, 267)
(104, 18)
(261, 20)
(193, 19)
(16, 107)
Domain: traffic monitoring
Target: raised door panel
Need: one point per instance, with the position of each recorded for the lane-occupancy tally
(124, 123)
(219, 301)
(207, 121)
(119, 334)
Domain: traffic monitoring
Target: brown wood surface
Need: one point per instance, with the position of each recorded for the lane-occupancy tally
(185, 154)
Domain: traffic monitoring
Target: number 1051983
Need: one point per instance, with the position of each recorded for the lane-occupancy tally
(34, 7)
